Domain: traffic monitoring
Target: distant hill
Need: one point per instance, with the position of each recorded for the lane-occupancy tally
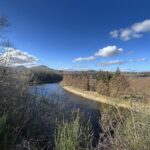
(38, 74)
(15, 73)
(42, 68)
(43, 74)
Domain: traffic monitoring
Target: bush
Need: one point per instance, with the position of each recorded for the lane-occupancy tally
(134, 134)
(72, 135)
(67, 136)
(125, 130)
(4, 131)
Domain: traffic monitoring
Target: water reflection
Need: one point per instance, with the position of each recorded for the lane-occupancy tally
(90, 110)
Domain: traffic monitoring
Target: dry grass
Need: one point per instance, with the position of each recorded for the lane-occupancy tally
(140, 84)
(122, 103)
(140, 89)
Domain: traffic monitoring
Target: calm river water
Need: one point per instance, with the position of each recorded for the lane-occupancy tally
(54, 89)
(89, 108)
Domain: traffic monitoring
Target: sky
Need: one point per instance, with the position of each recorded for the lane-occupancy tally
(79, 34)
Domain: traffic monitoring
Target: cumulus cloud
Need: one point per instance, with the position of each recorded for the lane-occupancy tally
(134, 31)
(109, 51)
(15, 57)
(119, 62)
(84, 59)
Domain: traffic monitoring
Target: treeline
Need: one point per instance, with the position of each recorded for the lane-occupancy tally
(103, 82)
(43, 77)
(43, 74)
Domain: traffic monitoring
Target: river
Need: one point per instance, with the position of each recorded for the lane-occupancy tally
(90, 109)
(77, 101)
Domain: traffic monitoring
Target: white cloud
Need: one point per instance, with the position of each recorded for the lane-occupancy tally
(114, 33)
(142, 26)
(141, 59)
(81, 69)
(109, 51)
(75, 68)
(15, 57)
(130, 53)
(119, 62)
(134, 31)
(132, 60)
(109, 63)
(138, 60)
(84, 59)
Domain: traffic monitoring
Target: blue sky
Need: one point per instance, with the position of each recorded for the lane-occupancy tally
(82, 34)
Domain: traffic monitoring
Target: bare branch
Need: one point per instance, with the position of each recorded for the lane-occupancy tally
(3, 22)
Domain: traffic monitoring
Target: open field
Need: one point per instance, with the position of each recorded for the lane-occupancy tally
(140, 84)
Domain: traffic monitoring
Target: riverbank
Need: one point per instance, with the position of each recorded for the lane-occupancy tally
(116, 102)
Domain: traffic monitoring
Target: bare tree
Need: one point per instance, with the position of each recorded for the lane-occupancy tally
(4, 45)
(3, 25)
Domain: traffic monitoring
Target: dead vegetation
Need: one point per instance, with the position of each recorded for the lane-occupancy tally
(105, 83)
(116, 84)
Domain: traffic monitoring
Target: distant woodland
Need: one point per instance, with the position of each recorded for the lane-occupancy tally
(103, 82)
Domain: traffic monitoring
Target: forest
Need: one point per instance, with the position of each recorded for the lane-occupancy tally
(105, 83)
